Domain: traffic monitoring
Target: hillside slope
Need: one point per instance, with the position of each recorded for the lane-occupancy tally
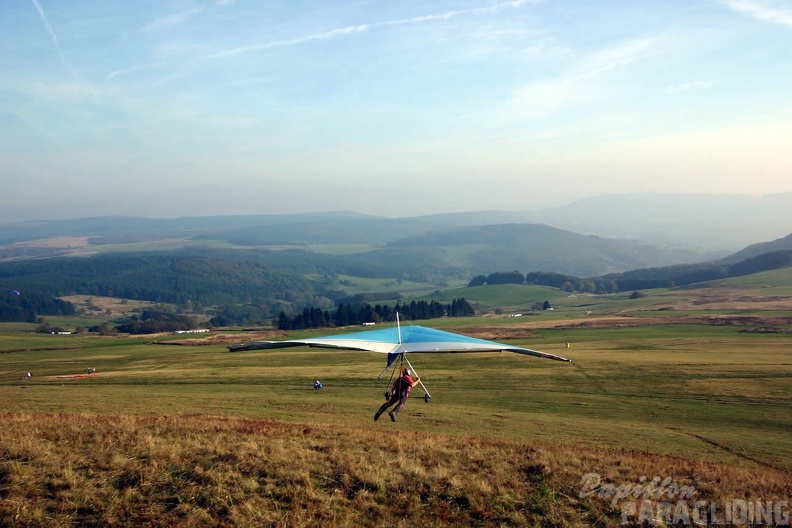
(537, 247)
(715, 222)
(754, 250)
(216, 471)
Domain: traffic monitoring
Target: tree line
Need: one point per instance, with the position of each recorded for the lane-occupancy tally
(152, 322)
(29, 306)
(642, 279)
(348, 314)
(189, 281)
(174, 279)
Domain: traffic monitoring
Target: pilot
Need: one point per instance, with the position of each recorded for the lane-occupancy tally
(399, 393)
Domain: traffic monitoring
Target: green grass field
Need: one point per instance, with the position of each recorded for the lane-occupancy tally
(196, 436)
(691, 390)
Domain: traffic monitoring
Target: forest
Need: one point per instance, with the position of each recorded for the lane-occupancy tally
(236, 291)
(349, 314)
(642, 279)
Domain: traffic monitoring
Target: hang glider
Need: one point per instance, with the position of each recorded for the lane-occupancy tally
(397, 341)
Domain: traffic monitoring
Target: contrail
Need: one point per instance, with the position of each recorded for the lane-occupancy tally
(334, 33)
(56, 42)
(47, 132)
(340, 32)
(53, 36)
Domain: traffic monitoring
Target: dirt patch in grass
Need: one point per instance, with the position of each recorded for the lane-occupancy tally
(497, 332)
(705, 301)
(114, 306)
(56, 242)
(524, 330)
(729, 299)
(223, 339)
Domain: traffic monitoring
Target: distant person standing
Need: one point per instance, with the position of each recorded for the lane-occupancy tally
(400, 391)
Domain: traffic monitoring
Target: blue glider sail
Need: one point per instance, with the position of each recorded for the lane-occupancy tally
(398, 340)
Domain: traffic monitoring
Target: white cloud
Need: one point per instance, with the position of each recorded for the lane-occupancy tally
(618, 56)
(545, 95)
(766, 11)
(172, 20)
(693, 85)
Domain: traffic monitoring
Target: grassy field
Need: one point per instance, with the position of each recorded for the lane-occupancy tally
(193, 435)
(352, 285)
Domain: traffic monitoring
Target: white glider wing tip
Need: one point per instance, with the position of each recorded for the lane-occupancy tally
(536, 353)
(262, 345)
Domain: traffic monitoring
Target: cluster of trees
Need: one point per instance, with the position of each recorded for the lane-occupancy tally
(349, 314)
(152, 322)
(240, 315)
(45, 328)
(175, 279)
(556, 280)
(105, 329)
(684, 274)
(641, 279)
(29, 306)
(499, 277)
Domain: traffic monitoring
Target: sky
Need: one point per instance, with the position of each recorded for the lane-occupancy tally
(169, 108)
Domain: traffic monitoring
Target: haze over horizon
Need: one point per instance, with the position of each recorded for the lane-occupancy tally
(197, 108)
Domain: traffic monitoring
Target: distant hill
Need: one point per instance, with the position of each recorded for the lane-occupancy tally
(754, 250)
(162, 278)
(537, 247)
(598, 236)
(712, 222)
(706, 223)
(253, 284)
(686, 274)
(368, 230)
(154, 228)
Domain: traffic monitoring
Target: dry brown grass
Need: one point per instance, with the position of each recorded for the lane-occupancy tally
(220, 339)
(56, 242)
(725, 298)
(108, 305)
(87, 470)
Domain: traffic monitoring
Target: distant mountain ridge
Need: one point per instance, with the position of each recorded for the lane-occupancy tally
(118, 225)
(714, 223)
(538, 247)
(755, 250)
(654, 233)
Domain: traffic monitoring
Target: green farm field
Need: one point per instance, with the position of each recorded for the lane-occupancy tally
(694, 390)
(647, 394)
